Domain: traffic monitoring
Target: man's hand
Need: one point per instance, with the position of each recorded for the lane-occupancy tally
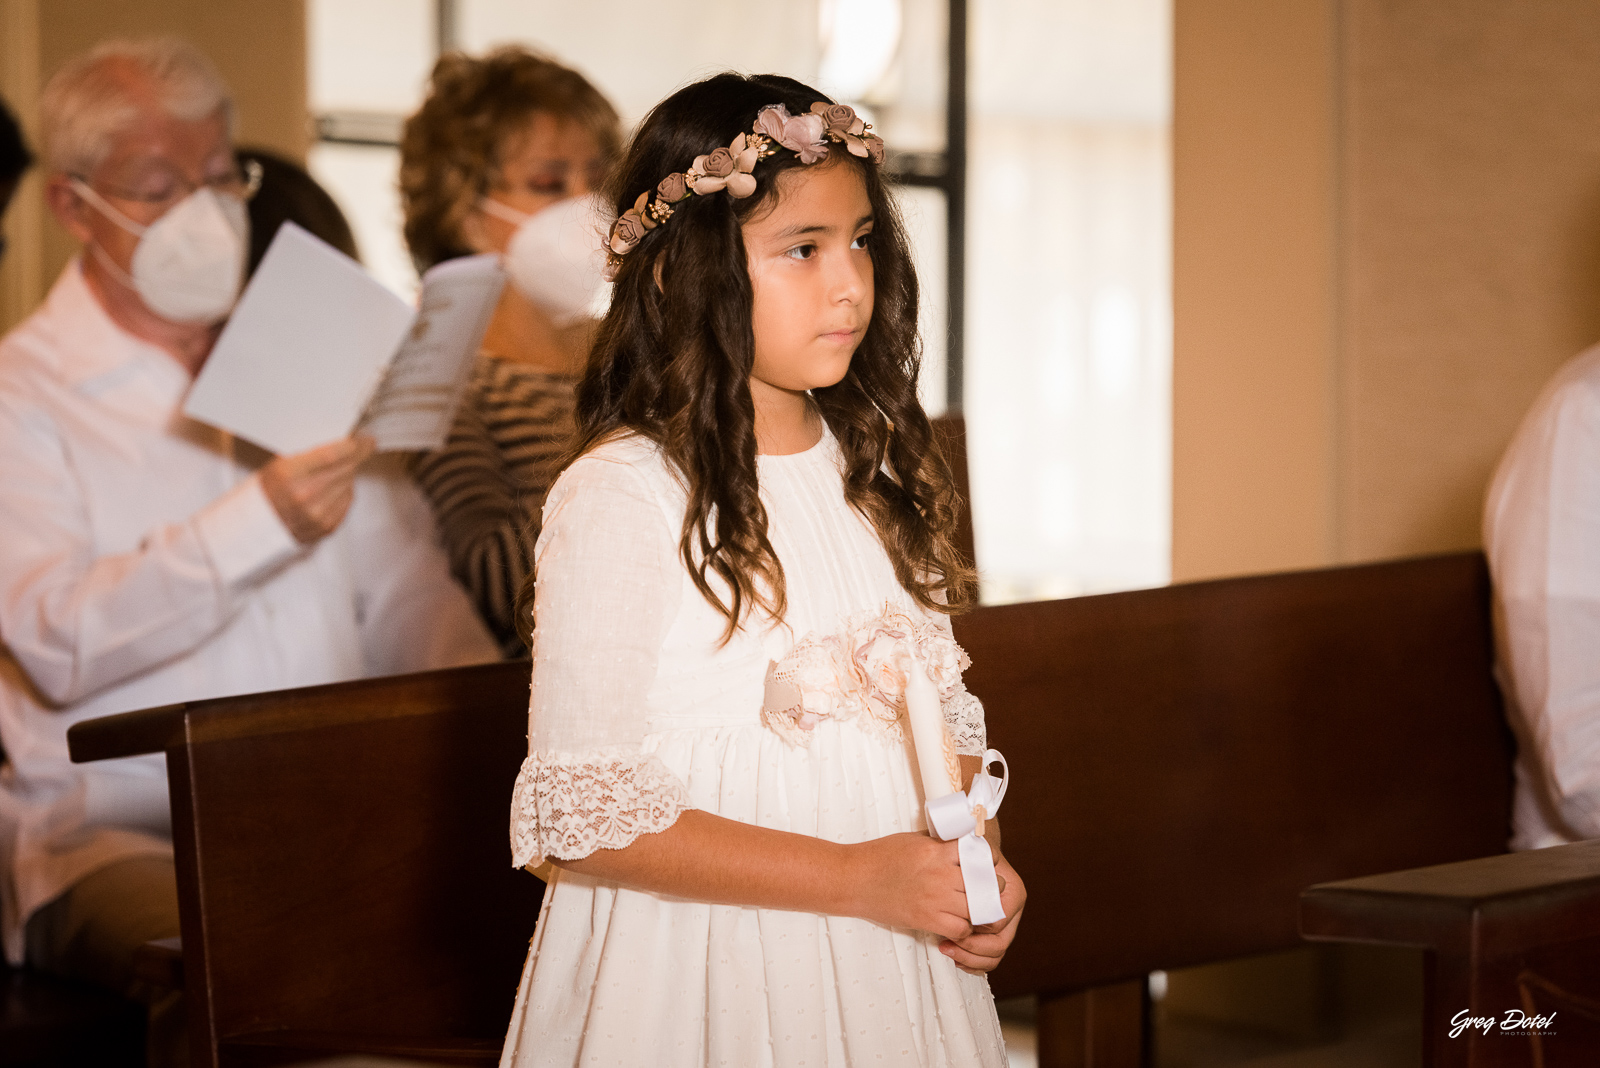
(311, 491)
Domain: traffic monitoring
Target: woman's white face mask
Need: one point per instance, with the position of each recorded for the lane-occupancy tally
(555, 258)
(189, 264)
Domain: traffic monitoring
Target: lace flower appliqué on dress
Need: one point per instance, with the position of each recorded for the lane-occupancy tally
(859, 674)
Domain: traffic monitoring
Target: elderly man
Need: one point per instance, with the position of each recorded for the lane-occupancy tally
(145, 558)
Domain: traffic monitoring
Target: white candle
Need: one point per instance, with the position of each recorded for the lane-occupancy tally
(926, 719)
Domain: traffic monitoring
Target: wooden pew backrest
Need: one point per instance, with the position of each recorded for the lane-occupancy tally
(344, 862)
(1186, 760)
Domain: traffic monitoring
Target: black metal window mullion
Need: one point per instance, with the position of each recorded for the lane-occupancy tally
(444, 26)
(947, 172)
(956, 207)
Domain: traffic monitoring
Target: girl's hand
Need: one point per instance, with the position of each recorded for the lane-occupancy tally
(983, 949)
(912, 880)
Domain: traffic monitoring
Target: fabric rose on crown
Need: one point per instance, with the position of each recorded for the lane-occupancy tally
(725, 168)
(626, 232)
(803, 134)
(841, 123)
(673, 188)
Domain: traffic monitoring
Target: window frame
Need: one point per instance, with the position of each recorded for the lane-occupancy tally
(944, 171)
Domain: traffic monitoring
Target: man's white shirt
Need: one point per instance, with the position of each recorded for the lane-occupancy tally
(1542, 534)
(141, 564)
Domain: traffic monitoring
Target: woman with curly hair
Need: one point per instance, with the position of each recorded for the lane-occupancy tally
(497, 156)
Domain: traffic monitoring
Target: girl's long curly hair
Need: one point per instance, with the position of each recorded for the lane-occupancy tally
(673, 358)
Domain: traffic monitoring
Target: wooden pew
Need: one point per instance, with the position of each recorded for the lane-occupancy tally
(1505, 935)
(1186, 761)
(344, 872)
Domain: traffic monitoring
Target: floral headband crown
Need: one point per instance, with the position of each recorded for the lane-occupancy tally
(730, 168)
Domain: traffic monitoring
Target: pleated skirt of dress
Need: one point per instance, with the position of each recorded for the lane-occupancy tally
(626, 978)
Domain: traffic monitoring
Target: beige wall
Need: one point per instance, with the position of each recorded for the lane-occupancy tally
(1471, 204)
(1387, 236)
(260, 47)
(1253, 300)
(21, 269)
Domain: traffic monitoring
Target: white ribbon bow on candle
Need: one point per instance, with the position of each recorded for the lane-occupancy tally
(952, 813)
(961, 816)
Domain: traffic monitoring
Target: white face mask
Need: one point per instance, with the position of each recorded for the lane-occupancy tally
(555, 258)
(189, 264)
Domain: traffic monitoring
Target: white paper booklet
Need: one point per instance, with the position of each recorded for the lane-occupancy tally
(317, 349)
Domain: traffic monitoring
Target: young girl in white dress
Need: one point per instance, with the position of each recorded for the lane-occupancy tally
(720, 789)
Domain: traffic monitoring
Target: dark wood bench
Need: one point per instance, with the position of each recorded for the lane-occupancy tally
(344, 872)
(1186, 762)
(1504, 935)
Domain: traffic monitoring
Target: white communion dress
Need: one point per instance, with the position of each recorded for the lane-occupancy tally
(637, 713)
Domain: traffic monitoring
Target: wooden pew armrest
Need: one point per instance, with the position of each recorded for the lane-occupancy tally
(149, 730)
(1487, 908)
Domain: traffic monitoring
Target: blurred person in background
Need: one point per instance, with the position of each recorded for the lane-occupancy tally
(14, 161)
(503, 157)
(286, 193)
(146, 559)
(1541, 533)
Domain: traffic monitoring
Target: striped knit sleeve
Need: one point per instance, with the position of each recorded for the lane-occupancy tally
(487, 485)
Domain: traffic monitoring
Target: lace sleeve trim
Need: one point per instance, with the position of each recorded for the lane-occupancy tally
(568, 807)
(963, 718)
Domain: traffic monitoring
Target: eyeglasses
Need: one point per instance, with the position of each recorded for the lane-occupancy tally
(240, 182)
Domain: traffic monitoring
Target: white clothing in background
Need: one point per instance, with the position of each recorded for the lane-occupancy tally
(141, 564)
(637, 713)
(1541, 530)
